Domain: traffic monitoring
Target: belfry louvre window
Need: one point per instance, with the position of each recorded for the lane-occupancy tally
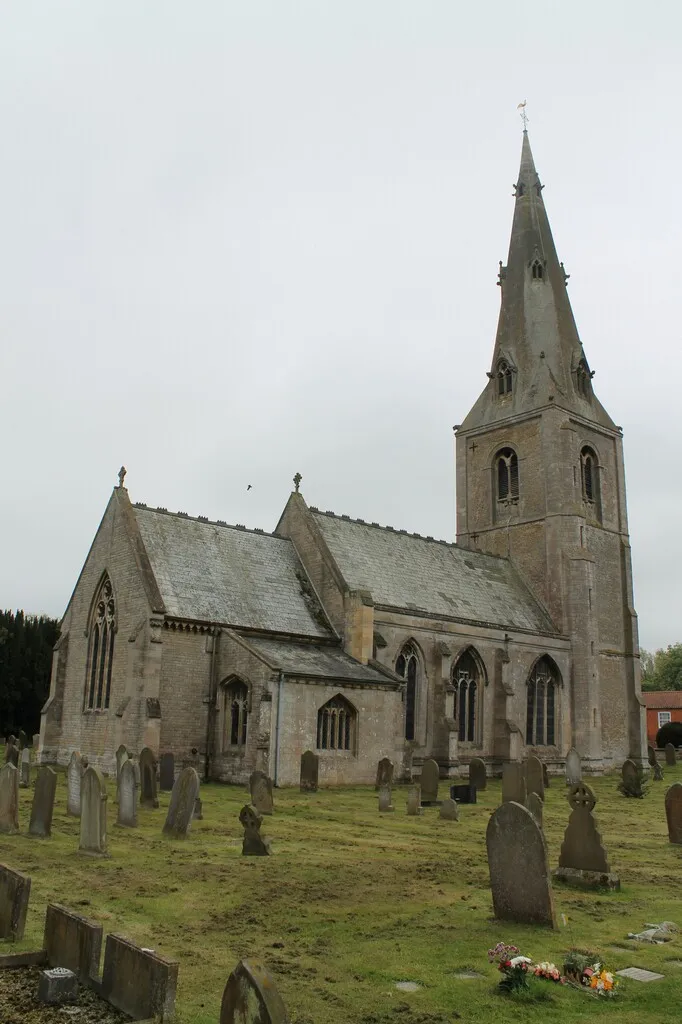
(336, 725)
(583, 377)
(101, 649)
(236, 714)
(407, 666)
(588, 475)
(504, 378)
(507, 475)
(466, 679)
(541, 705)
(537, 270)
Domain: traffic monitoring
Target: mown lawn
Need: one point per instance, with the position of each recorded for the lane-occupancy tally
(352, 902)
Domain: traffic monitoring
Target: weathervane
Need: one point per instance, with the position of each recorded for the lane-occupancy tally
(523, 115)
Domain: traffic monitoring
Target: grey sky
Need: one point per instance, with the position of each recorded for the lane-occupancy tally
(239, 240)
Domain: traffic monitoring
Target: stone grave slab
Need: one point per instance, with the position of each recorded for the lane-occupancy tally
(148, 792)
(514, 782)
(42, 806)
(534, 776)
(673, 812)
(477, 773)
(429, 782)
(670, 755)
(181, 807)
(260, 787)
(519, 869)
(310, 771)
(74, 774)
(166, 772)
(12, 752)
(449, 810)
(639, 974)
(385, 769)
(536, 807)
(573, 768)
(15, 889)
(138, 981)
(93, 840)
(9, 799)
(25, 770)
(251, 997)
(385, 799)
(414, 800)
(127, 794)
(73, 941)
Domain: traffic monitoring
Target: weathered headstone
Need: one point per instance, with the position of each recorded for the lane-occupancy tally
(477, 773)
(25, 776)
(519, 871)
(166, 772)
(12, 751)
(181, 806)
(42, 807)
(545, 775)
(23, 739)
(429, 782)
(260, 787)
(449, 810)
(9, 799)
(514, 782)
(414, 800)
(573, 768)
(198, 812)
(310, 768)
(121, 757)
(15, 890)
(463, 793)
(673, 812)
(385, 799)
(632, 779)
(651, 755)
(534, 776)
(74, 774)
(385, 769)
(73, 941)
(138, 981)
(93, 814)
(536, 807)
(253, 845)
(583, 861)
(147, 764)
(251, 997)
(670, 755)
(127, 794)
(36, 746)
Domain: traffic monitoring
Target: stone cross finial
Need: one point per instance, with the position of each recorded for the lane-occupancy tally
(121, 476)
(297, 481)
(581, 796)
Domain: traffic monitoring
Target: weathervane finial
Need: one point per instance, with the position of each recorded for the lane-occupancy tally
(121, 476)
(523, 115)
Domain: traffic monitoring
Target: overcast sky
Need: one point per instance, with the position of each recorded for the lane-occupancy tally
(241, 240)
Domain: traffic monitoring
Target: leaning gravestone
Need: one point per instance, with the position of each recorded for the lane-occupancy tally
(9, 799)
(127, 794)
(534, 776)
(384, 773)
(93, 814)
(25, 777)
(651, 755)
(166, 772)
(74, 774)
(573, 769)
(477, 773)
(429, 782)
(670, 755)
(673, 813)
(414, 800)
(147, 763)
(583, 861)
(251, 997)
(519, 871)
(310, 769)
(449, 810)
(260, 787)
(181, 807)
(514, 782)
(536, 807)
(385, 799)
(43, 803)
(253, 844)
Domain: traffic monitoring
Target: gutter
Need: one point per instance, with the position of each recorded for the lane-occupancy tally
(211, 709)
(280, 690)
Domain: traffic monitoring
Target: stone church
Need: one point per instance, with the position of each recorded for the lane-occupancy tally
(242, 649)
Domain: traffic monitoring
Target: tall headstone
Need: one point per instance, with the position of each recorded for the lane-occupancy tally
(385, 799)
(167, 772)
(253, 844)
(147, 764)
(449, 810)
(545, 776)
(514, 782)
(251, 997)
(93, 814)
(310, 769)
(12, 751)
(536, 807)
(573, 768)
(632, 779)
(651, 755)
(477, 773)
(414, 800)
(583, 859)
(384, 773)
(15, 890)
(519, 870)
(25, 777)
(74, 774)
(260, 787)
(670, 755)
(673, 813)
(9, 799)
(23, 739)
(127, 794)
(36, 746)
(429, 782)
(121, 756)
(42, 807)
(534, 776)
(181, 806)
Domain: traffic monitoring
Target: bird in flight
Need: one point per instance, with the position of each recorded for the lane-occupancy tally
(248, 487)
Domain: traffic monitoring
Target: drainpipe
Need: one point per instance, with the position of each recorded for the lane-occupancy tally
(280, 689)
(211, 709)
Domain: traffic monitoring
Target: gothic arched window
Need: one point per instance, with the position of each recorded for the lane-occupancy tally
(236, 711)
(588, 475)
(504, 378)
(336, 725)
(583, 378)
(507, 476)
(541, 704)
(101, 648)
(407, 666)
(537, 270)
(467, 682)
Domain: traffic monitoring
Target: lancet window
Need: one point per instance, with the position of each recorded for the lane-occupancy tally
(507, 475)
(336, 721)
(583, 378)
(541, 704)
(467, 682)
(407, 666)
(537, 270)
(504, 378)
(236, 710)
(101, 648)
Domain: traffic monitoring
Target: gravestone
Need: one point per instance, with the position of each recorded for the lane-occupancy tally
(9, 799)
(519, 871)
(121, 757)
(253, 845)
(93, 814)
(429, 782)
(73, 941)
(670, 755)
(514, 782)
(181, 806)
(449, 810)
(545, 775)
(127, 794)
(74, 774)
(25, 777)
(43, 803)
(477, 773)
(385, 769)
(385, 799)
(534, 776)
(23, 739)
(198, 812)
(414, 800)
(463, 793)
(260, 787)
(583, 860)
(147, 764)
(310, 769)
(166, 772)
(673, 813)
(658, 772)
(12, 752)
(536, 806)
(573, 769)
(651, 755)
(632, 779)
(139, 981)
(15, 890)
(36, 745)
(251, 997)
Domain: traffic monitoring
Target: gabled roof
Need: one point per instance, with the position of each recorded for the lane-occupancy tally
(662, 699)
(212, 572)
(321, 661)
(419, 574)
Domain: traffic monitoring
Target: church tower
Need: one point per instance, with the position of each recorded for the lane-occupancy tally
(540, 480)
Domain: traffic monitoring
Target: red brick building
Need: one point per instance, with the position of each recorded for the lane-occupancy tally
(661, 706)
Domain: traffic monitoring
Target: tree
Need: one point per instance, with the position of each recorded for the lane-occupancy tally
(26, 643)
(663, 669)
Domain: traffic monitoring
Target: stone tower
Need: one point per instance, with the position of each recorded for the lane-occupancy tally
(540, 479)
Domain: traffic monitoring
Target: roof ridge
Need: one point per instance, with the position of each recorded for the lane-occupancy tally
(206, 521)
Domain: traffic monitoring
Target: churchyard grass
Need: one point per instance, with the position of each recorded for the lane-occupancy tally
(353, 901)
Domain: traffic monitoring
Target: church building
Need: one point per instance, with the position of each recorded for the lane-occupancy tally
(241, 649)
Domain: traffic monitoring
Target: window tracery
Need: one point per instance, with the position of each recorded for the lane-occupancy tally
(466, 681)
(507, 476)
(236, 710)
(407, 666)
(101, 648)
(336, 725)
(583, 379)
(504, 378)
(541, 704)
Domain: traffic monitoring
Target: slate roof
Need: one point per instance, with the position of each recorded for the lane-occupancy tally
(212, 572)
(414, 573)
(320, 660)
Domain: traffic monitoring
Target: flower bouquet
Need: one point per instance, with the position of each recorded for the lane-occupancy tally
(599, 980)
(512, 965)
